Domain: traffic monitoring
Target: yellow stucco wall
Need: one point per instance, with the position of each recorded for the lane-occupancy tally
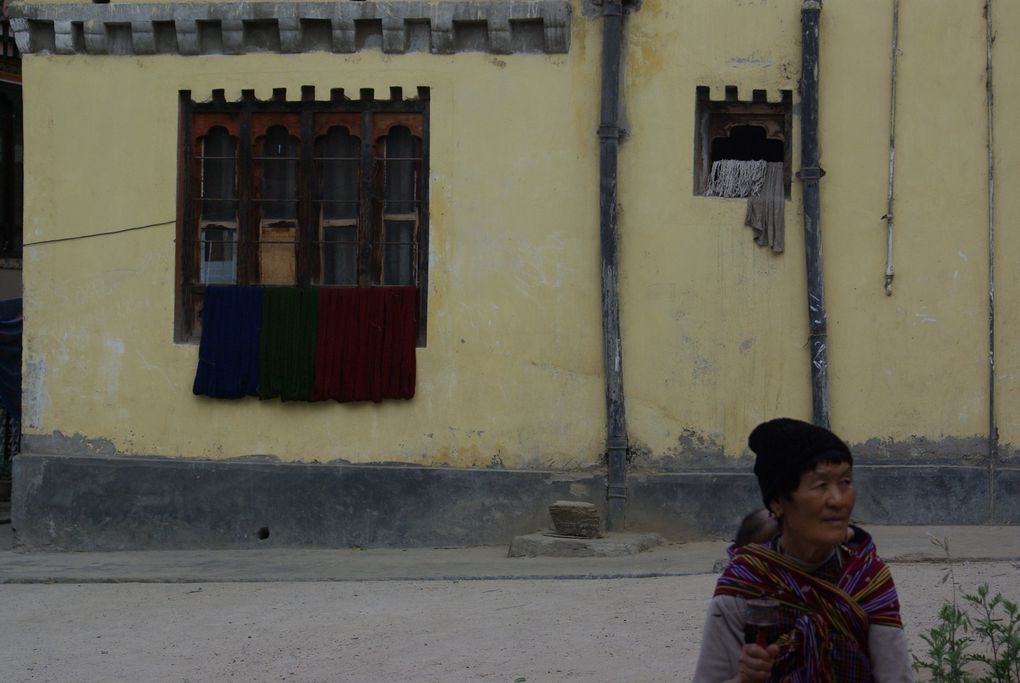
(714, 327)
(914, 363)
(1007, 205)
(509, 372)
(713, 324)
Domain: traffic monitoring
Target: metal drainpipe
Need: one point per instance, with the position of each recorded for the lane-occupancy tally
(609, 142)
(810, 173)
(993, 427)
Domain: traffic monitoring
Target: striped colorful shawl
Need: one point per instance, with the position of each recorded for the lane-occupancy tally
(824, 615)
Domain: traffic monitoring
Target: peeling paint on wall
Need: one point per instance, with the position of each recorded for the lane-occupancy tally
(34, 388)
(61, 444)
(947, 450)
(112, 358)
(694, 452)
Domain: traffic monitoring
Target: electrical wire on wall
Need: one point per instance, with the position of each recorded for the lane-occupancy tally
(99, 234)
(889, 273)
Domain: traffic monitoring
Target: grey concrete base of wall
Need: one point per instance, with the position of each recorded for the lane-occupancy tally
(696, 504)
(112, 503)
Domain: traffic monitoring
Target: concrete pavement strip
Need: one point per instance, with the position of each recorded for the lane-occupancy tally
(896, 544)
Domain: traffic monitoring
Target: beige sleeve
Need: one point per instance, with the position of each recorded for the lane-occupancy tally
(890, 656)
(721, 640)
(723, 637)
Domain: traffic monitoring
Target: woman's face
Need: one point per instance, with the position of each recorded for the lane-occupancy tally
(816, 516)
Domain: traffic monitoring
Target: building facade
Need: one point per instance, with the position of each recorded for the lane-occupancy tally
(181, 154)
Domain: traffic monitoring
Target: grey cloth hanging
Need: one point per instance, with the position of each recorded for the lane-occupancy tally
(766, 209)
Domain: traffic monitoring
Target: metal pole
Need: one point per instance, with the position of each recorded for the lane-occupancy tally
(810, 173)
(609, 139)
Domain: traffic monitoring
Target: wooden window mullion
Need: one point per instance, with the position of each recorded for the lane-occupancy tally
(416, 236)
(379, 210)
(184, 276)
(308, 224)
(248, 239)
(422, 276)
(366, 223)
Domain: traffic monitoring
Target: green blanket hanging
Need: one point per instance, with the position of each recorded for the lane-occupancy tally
(290, 318)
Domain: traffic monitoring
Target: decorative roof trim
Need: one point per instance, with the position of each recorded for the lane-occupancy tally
(395, 26)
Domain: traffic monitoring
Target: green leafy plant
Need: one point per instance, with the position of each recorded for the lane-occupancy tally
(948, 647)
(976, 645)
(997, 623)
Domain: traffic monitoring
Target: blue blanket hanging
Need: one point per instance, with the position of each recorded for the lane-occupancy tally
(228, 355)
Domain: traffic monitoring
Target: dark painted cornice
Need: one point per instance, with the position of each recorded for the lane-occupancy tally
(394, 26)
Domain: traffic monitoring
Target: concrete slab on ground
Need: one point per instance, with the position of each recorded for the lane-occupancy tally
(897, 544)
(548, 544)
(413, 632)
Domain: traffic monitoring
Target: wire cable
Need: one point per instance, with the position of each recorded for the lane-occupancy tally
(99, 234)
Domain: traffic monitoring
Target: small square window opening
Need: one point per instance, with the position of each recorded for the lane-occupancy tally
(754, 133)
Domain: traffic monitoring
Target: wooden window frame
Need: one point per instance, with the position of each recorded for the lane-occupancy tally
(248, 119)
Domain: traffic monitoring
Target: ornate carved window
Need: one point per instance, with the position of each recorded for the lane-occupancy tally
(307, 193)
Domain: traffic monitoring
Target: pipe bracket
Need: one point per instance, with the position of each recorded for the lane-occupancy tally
(616, 443)
(616, 491)
(609, 132)
(811, 173)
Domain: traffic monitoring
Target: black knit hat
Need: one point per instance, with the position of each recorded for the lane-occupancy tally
(786, 448)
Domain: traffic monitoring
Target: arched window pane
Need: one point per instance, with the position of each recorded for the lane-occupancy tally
(339, 173)
(277, 246)
(219, 189)
(400, 165)
(218, 214)
(400, 210)
(340, 255)
(339, 166)
(279, 175)
(398, 253)
(219, 256)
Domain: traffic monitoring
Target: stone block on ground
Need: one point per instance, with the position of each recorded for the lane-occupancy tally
(576, 518)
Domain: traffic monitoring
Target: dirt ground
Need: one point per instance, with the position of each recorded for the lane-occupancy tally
(615, 630)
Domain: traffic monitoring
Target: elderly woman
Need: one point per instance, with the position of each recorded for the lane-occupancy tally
(835, 609)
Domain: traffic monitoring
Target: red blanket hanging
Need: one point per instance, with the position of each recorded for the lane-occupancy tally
(366, 344)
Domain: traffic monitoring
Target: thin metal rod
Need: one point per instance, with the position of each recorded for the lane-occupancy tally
(889, 274)
(993, 427)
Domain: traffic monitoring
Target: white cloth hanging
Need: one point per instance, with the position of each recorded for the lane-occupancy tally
(732, 178)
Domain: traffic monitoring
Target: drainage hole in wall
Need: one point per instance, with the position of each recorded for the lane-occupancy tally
(263, 533)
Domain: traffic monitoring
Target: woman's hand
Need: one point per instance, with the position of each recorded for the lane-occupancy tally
(756, 663)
